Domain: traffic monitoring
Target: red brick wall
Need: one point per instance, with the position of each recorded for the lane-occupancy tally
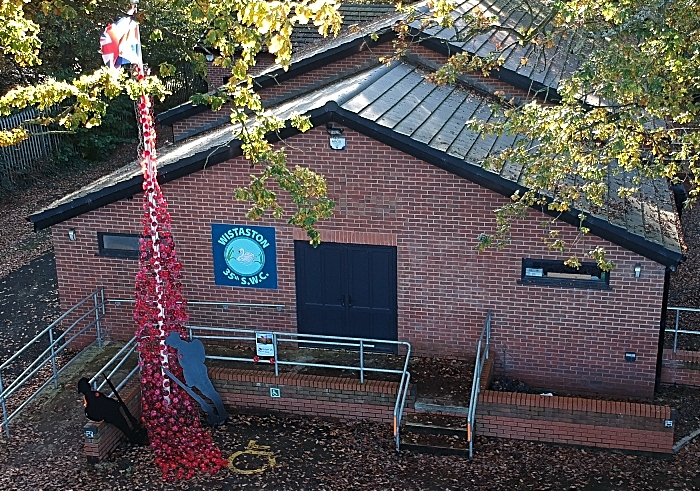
(309, 395)
(567, 420)
(366, 57)
(554, 338)
(682, 368)
(574, 421)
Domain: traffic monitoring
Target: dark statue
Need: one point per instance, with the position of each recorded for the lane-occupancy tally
(191, 357)
(99, 407)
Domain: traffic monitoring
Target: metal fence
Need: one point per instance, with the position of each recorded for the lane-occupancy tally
(678, 331)
(482, 354)
(58, 340)
(310, 340)
(112, 367)
(182, 85)
(28, 156)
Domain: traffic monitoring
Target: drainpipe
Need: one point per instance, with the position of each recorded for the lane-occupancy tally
(662, 328)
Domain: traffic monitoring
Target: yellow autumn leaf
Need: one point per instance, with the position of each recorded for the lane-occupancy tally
(264, 25)
(276, 44)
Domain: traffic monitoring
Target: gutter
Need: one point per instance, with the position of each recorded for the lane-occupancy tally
(278, 76)
(167, 173)
(332, 112)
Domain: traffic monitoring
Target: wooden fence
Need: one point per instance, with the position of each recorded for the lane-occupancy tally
(28, 157)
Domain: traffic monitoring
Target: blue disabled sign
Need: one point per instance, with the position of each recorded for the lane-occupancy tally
(244, 256)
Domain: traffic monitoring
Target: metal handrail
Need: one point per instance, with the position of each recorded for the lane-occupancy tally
(56, 346)
(119, 359)
(481, 357)
(51, 326)
(399, 406)
(681, 331)
(225, 333)
(316, 339)
(225, 305)
(321, 340)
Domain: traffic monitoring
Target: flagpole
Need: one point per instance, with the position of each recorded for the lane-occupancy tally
(151, 188)
(179, 444)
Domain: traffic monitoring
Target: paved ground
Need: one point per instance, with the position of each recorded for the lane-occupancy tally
(28, 304)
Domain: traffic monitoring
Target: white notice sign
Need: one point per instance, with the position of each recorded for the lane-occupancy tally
(263, 344)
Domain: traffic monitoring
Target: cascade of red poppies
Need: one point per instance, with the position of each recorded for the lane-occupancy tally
(181, 446)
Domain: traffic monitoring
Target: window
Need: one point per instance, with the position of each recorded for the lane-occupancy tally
(556, 273)
(118, 245)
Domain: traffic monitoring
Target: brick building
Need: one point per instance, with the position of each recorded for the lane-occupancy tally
(398, 259)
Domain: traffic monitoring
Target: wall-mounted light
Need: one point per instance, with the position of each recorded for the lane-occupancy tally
(337, 140)
(637, 270)
(209, 57)
(71, 234)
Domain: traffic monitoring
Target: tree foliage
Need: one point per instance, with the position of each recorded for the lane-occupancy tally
(237, 30)
(632, 106)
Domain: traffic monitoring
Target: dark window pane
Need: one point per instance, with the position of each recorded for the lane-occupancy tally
(118, 245)
(121, 242)
(556, 273)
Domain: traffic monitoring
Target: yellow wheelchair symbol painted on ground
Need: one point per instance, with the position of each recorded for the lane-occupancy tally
(253, 449)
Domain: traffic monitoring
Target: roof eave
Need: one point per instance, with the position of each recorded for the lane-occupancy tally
(332, 112)
(167, 173)
(279, 75)
(498, 184)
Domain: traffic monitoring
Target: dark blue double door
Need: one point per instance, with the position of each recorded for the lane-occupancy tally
(347, 290)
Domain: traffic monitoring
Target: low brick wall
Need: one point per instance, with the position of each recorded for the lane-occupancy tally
(532, 417)
(575, 421)
(308, 395)
(101, 438)
(682, 368)
(572, 420)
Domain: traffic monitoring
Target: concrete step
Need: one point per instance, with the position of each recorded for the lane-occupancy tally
(432, 407)
(434, 429)
(435, 444)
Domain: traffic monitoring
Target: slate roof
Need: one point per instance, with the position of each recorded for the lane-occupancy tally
(353, 15)
(398, 106)
(545, 67)
(307, 57)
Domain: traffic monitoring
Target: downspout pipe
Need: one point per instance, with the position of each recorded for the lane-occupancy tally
(662, 327)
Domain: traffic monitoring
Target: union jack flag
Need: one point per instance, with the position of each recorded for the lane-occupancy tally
(121, 44)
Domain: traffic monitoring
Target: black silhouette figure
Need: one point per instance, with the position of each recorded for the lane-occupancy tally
(99, 407)
(191, 357)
